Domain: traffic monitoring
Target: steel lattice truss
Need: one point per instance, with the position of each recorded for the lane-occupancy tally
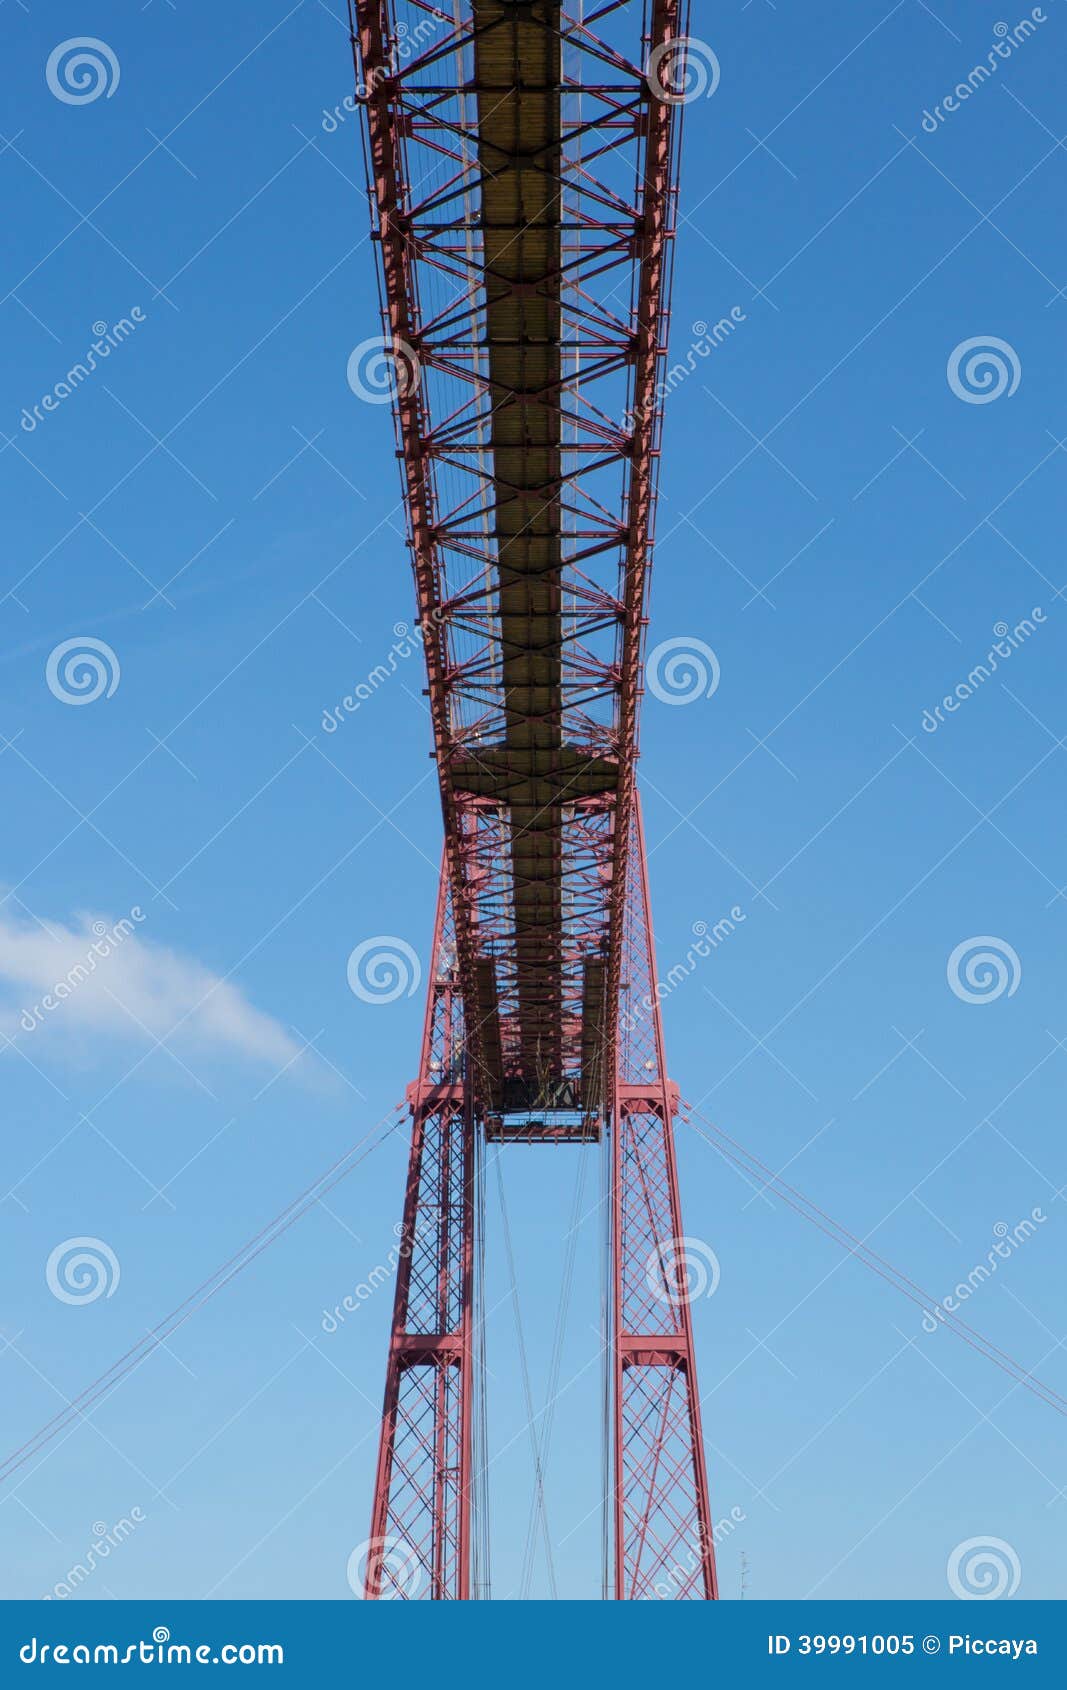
(663, 1543)
(521, 172)
(521, 166)
(421, 1517)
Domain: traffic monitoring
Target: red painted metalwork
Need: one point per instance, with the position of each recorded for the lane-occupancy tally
(663, 1544)
(520, 164)
(420, 1527)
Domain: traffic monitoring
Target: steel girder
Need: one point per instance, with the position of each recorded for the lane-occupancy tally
(520, 164)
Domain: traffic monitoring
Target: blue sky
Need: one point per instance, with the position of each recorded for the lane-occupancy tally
(836, 523)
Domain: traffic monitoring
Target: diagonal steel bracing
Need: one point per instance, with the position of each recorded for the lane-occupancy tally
(521, 161)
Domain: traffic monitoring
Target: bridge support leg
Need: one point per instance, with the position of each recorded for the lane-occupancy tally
(663, 1545)
(421, 1521)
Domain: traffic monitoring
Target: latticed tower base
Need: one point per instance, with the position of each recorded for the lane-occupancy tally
(663, 1539)
(420, 1528)
(428, 1481)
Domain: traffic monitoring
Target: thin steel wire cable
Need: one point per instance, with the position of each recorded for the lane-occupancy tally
(556, 1362)
(204, 1292)
(848, 1241)
(531, 1418)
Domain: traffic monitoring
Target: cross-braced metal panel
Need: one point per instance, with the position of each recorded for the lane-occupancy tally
(433, 1236)
(420, 1527)
(651, 1292)
(423, 1535)
(639, 1050)
(663, 1542)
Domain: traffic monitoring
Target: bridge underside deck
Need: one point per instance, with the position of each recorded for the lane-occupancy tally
(533, 775)
(521, 170)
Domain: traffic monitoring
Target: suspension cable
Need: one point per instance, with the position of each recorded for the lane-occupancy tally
(204, 1292)
(556, 1362)
(747, 1162)
(531, 1418)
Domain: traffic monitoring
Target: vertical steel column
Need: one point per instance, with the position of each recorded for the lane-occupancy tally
(663, 1546)
(420, 1524)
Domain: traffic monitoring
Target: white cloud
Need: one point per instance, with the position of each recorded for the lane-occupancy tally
(103, 976)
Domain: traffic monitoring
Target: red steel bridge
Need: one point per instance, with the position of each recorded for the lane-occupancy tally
(521, 163)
